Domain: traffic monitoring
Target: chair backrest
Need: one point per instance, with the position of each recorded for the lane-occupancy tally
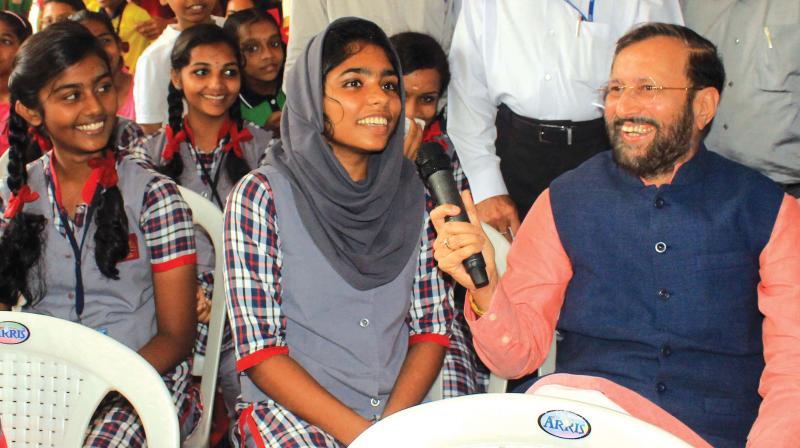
(518, 420)
(54, 373)
(4, 166)
(206, 215)
(501, 248)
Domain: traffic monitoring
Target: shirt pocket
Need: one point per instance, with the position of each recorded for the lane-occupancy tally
(778, 68)
(591, 62)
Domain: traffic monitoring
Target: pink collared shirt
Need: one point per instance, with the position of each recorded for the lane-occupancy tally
(513, 337)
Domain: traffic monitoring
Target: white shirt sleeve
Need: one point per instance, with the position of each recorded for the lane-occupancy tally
(471, 110)
(150, 90)
(307, 18)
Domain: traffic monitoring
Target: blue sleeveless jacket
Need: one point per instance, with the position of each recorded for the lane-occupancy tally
(663, 298)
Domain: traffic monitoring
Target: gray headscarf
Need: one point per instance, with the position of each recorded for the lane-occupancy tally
(367, 230)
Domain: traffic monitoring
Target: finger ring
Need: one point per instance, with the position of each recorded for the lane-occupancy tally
(447, 245)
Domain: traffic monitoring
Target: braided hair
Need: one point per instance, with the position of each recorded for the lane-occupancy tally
(42, 57)
(204, 34)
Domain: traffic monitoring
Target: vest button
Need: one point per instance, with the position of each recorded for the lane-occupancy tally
(659, 202)
(71, 295)
(364, 323)
(666, 351)
(661, 388)
(374, 402)
(663, 294)
(661, 247)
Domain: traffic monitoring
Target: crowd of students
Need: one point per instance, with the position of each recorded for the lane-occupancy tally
(317, 181)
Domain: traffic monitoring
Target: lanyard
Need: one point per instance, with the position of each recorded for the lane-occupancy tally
(589, 17)
(77, 250)
(207, 176)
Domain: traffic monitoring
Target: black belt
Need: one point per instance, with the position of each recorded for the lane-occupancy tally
(557, 132)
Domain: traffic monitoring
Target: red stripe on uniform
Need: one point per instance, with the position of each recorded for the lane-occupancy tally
(174, 263)
(260, 356)
(440, 339)
(246, 418)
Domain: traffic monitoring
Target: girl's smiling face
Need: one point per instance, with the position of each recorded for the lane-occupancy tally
(362, 101)
(78, 107)
(210, 82)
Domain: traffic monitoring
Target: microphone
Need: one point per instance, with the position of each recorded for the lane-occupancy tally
(436, 170)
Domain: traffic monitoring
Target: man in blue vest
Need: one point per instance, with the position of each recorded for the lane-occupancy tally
(665, 267)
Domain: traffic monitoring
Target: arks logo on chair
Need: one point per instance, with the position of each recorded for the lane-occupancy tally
(564, 424)
(13, 333)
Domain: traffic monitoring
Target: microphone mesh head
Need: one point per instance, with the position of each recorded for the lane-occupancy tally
(430, 159)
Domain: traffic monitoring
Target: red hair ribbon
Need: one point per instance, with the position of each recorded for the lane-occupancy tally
(43, 142)
(18, 200)
(236, 138)
(174, 140)
(104, 174)
(434, 133)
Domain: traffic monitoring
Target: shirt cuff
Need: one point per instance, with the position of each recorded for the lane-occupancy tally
(487, 182)
(174, 263)
(260, 356)
(439, 339)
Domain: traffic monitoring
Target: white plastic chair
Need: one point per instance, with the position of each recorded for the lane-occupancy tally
(501, 248)
(206, 215)
(54, 373)
(4, 165)
(513, 420)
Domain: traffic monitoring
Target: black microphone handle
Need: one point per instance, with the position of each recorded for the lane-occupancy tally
(443, 189)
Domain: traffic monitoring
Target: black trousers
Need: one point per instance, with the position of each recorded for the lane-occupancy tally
(533, 152)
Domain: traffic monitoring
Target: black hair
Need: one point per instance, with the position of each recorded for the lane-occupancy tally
(91, 16)
(249, 17)
(42, 57)
(19, 25)
(346, 38)
(704, 68)
(418, 51)
(203, 34)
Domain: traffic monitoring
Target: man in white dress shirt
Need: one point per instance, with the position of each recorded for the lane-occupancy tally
(524, 101)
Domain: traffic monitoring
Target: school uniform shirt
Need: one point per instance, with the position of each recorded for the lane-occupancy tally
(151, 78)
(161, 238)
(200, 171)
(258, 108)
(537, 58)
(758, 120)
(274, 309)
(462, 371)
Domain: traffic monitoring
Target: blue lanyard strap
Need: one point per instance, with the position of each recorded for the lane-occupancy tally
(587, 18)
(77, 250)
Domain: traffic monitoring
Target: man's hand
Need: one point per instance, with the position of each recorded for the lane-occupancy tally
(500, 213)
(152, 28)
(455, 241)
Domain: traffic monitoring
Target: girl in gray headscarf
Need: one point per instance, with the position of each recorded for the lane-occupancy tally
(339, 313)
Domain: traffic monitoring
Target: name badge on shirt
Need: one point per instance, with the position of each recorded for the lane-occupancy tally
(133, 248)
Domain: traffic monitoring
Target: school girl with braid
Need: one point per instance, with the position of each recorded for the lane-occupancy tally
(207, 151)
(89, 233)
(339, 313)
